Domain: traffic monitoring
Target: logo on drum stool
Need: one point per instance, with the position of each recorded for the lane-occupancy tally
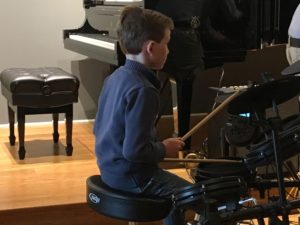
(94, 198)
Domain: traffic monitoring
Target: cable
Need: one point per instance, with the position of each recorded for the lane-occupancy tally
(219, 86)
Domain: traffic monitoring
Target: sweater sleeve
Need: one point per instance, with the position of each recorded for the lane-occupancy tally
(140, 143)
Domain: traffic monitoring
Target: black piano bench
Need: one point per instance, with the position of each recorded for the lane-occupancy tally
(119, 205)
(39, 91)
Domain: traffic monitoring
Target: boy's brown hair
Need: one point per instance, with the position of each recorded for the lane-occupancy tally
(137, 25)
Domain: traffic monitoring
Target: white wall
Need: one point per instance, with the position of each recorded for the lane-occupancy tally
(31, 35)
(31, 31)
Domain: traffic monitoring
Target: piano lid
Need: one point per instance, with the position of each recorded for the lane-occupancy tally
(104, 18)
(104, 15)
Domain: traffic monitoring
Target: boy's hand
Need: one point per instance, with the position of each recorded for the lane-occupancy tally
(173, 145)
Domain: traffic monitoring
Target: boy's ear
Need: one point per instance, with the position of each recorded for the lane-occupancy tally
(149, 46)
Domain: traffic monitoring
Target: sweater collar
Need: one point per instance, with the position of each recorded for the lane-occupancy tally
(142, 69)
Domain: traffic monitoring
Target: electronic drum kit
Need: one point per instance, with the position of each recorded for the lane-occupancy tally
(220, 193)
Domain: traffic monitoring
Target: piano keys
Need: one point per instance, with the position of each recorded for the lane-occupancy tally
(96, 40)
(96, 46)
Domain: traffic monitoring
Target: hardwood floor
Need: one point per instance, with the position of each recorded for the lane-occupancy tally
(47, 181)
(48, 187)
(47, 176)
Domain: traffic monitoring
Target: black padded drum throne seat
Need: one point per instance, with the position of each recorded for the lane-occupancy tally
(39, 91)
(124, 206)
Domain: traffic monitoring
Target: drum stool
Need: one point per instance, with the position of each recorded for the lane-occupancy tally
(124, 206)
(39, 91)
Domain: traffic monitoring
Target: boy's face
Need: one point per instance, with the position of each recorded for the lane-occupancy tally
(160, 51)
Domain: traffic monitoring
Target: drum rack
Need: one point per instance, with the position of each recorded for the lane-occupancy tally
(271, 94)
(254, 100)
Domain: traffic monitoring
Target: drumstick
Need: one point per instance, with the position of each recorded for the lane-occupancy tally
(210, 115)
(201, 160)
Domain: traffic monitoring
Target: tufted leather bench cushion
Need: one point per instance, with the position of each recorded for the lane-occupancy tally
(39, 87)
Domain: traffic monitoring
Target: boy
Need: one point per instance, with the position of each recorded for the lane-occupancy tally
(127, 149)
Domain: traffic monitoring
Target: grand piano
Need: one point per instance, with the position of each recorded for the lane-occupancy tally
(246, 24)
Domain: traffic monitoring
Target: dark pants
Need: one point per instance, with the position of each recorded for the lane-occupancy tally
(163, 184)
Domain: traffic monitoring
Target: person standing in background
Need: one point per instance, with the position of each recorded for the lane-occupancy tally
(293, 46)
(185, 59)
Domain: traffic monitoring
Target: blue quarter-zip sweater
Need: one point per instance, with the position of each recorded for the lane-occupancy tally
(127, 149)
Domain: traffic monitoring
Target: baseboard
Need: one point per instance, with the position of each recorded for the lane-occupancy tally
(73, 214)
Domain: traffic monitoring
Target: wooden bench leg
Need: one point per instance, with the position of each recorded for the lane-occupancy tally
(55, 117)
(21, 131)
(69, 128)
(11, 119)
